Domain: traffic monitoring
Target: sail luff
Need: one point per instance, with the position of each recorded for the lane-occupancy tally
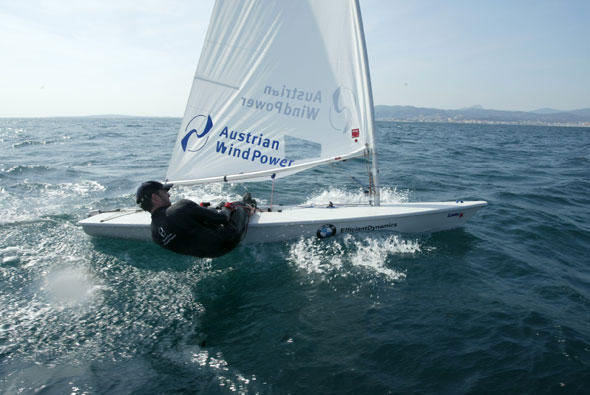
(370, 109)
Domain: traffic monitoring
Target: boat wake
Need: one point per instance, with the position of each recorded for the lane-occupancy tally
(352, 255)
(356, 196)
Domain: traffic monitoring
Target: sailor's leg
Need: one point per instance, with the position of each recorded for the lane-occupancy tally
(239, 219)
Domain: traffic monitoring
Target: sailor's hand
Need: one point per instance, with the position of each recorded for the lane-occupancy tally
(251, 210)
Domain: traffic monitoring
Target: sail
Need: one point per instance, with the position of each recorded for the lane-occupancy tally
(281, 86)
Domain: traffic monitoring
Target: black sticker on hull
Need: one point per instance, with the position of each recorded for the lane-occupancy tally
(326, 231)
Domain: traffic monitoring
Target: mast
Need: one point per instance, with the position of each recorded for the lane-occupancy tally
(374, 175)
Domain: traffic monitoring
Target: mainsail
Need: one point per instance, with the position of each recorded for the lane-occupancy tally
(281, 86)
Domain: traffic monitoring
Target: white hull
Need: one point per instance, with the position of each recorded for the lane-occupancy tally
(298, 221)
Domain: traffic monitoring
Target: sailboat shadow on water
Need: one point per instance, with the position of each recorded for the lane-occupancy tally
(141, 255)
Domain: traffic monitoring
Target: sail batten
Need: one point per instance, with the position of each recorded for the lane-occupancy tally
(280, 87)
(217, 83)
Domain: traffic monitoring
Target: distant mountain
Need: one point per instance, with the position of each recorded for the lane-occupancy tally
(480, 115)
(546, 111)
(584, 112)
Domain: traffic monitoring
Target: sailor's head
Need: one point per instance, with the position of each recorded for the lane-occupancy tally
(153, 194)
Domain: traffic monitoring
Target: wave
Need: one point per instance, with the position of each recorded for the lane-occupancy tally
(27, 201)
(27, 143)
(10, 255)
(24, 170)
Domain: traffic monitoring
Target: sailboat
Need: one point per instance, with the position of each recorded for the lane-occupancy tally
(282, 87)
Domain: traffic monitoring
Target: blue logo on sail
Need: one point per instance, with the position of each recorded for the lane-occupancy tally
(344, 105)
(198, 133)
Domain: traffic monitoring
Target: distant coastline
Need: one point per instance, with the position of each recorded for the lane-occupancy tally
(471, 115)
(479, 115)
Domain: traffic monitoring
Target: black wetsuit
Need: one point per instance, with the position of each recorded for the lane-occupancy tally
(189, 229)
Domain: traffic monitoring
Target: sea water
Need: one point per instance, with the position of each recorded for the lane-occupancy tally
(502, 305)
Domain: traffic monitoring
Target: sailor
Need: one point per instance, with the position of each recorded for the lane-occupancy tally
(187, 228)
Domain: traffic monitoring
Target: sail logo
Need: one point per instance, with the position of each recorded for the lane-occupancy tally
(343, 109)
(197, 133)
(287, 101)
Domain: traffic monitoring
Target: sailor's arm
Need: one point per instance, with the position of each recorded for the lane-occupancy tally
(209, 215)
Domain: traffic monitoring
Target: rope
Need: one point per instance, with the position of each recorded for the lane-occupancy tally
(272, 191)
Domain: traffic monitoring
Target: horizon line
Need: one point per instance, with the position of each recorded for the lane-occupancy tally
(478, 107)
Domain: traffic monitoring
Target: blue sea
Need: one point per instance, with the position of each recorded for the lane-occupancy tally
(500, 306)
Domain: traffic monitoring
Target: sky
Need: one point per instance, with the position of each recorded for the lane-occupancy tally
(75, 58)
